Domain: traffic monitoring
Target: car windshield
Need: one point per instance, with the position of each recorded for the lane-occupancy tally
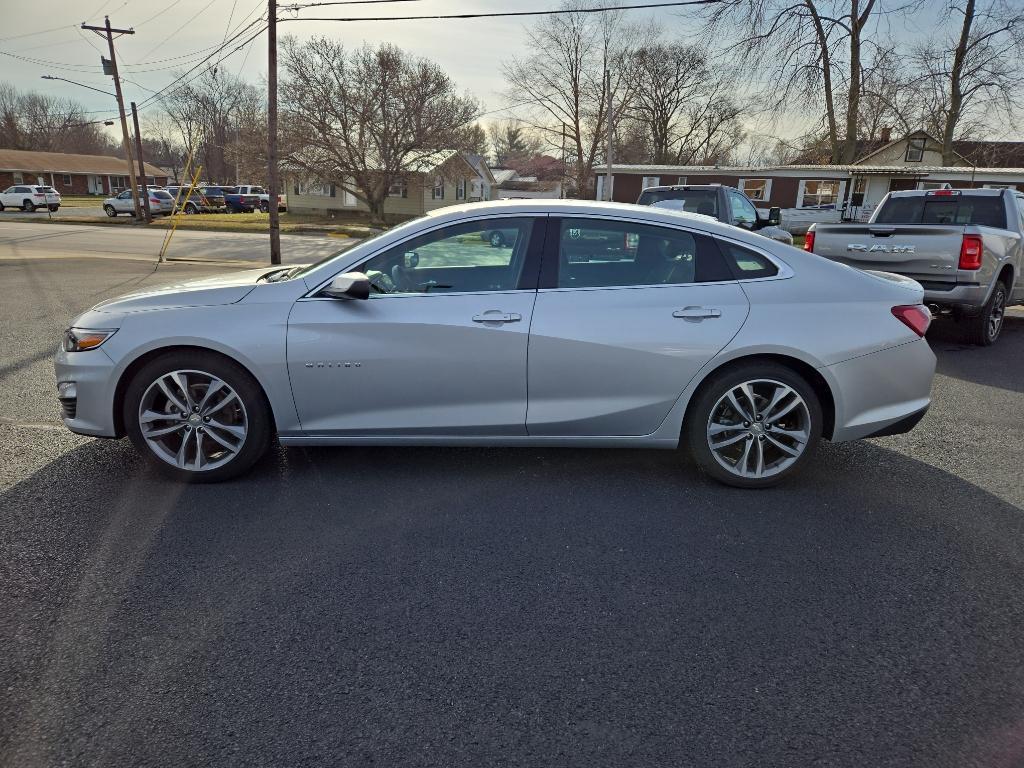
(703, 201)
(228, 190)
(980, 210)
(257, 191)
(161, 195)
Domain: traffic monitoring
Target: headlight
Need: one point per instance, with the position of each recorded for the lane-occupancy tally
(82, 339)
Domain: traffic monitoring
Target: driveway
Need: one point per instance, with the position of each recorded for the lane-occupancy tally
(467, 607)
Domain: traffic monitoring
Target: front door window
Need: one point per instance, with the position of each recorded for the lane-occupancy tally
(475, 256)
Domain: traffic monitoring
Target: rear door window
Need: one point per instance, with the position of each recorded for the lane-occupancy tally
(982, 211)
(595, 253)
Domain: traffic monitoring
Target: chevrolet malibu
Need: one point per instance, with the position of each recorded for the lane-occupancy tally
(591, 324)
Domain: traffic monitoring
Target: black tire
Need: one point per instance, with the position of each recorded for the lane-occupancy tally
(53, 208)
(110, 210)
(264, 206)
(28, 206)
(1, 207)
(707, 399)
(259, 421)
(496, 239)
(191, 209)
(983, 328)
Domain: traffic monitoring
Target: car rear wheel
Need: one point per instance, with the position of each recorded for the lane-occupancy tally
(754, 425)
(264, 207)
(28, 206)
(110, 210)
(984, 327)
(54, 207)
(191, 209)
(197, 417)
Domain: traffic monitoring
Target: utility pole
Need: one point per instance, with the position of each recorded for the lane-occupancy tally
(109, 33)
(142, 165)
(272, 180)
(608, 146)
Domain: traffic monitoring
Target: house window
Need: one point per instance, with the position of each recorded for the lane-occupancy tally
(66, 179)
(997, 186)
(756, 189)
(19, 177)
(398, 189)
(438, 192)
(650, 181)
(915, 150)
(315, 188)
(681, 181)
(933, 185)
(819, 194)
(460, 190)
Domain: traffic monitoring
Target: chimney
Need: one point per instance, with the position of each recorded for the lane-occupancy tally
(886, 134)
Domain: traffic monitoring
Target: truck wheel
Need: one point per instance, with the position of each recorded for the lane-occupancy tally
(264, 206)
(983, 328)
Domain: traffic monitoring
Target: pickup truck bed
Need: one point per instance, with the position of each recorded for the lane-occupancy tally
(965, 248)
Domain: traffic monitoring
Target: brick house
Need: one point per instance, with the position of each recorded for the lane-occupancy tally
(71, 174)
(811, 190)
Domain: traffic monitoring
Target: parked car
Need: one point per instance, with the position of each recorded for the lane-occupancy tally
(28, 197)
(727, 204)
(964, 246)
(662, 329)
(239, 202)
(214, 198)
(190, 202)
(264, 197)
(161, 203)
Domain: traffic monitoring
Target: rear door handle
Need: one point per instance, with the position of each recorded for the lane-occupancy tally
(497, 316)
(697, 313)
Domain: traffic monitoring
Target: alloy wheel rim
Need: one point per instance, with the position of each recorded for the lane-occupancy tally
(758, 428)
(995, 317)
(193, 420)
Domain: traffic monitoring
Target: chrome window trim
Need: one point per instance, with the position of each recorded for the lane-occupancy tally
(379, 296)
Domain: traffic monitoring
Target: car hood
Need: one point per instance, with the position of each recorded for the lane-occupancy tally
(207, 292)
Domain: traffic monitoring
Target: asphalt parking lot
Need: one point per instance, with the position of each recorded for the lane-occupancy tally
(470, 607)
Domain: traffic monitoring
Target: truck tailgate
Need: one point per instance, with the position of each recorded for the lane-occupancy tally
(929, 254)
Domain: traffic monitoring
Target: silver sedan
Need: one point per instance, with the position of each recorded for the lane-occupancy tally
(591, 324)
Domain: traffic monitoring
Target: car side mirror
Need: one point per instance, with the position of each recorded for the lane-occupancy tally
(349, 285)
(774, 217)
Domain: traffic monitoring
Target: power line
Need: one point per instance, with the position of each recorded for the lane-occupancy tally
(40, 32)
(192, 18)
(159, 13)
(300, 6)
(501, 14)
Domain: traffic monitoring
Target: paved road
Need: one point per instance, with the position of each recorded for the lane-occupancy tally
(24, 239)
(430, 607)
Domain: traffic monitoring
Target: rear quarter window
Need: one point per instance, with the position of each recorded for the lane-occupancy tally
(745, 263)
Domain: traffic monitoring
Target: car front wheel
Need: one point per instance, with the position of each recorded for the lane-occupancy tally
(754, 425)
(110, 211)
(198, 417)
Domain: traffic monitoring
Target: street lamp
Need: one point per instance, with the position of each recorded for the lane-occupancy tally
(82, 85)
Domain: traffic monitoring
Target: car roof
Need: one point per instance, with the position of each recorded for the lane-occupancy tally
(597, 208)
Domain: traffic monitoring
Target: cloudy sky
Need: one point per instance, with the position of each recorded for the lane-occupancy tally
(44, 39)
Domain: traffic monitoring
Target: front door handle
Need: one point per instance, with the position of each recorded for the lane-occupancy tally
(497, 316)
(697, 313)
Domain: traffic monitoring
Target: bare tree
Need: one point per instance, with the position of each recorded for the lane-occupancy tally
(219, 117)
(975, 75)
(561, 82)
(367, 118)
(37, 121)
(817, 49)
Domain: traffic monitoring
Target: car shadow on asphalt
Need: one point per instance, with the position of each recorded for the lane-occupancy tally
(1001, 365)
(443, 606)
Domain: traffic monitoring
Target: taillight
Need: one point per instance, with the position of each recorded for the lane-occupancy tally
(38, 194)
(970, 252)
(809, 241)
(915, 316)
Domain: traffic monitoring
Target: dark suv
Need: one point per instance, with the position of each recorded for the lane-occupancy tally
(727, 204)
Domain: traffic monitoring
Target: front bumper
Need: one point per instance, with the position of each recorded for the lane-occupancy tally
(91, 410)
(881, 391)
